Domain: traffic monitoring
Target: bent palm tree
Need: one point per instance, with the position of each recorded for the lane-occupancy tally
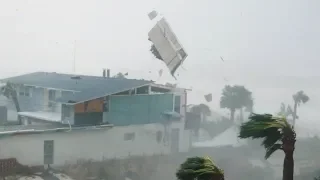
(200, 168)
(277, 134)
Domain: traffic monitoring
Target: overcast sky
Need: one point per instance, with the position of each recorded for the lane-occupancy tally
(255, 38)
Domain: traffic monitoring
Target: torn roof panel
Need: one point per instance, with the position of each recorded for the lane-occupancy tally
(166, 45)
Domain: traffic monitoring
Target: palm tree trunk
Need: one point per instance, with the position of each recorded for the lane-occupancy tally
(17, 105)
(241, 115)
(294, 113)
(288, 166)
(288, 146)
(232, 114)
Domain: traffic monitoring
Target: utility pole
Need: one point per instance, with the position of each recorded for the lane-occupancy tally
(74, 57)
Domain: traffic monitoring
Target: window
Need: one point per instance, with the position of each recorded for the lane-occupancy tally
(177, 104)
(25, 91)
(129, 136)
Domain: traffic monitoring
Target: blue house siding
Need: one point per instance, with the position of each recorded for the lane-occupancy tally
(137, 109)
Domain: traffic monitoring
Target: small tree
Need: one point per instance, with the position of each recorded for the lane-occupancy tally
(10, 92)
(200, 168)
(201, 109)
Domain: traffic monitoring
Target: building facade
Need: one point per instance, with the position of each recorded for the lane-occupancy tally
(142, 118)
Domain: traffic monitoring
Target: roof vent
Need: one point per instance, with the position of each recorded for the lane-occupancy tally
(75, 77)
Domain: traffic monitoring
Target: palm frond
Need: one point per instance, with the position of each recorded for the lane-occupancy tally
(271, 129)
(201, 168)
(272, 149)
(300, 96)
(305, 98)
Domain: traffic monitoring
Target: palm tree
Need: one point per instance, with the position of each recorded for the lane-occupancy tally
(277, 134)
(201, 168)
(298, 98)
(285, 110)
(10, 92)
(202, 110)
(236, 97)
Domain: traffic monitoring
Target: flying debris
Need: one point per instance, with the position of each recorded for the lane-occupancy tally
(153, 14)
(208, 97)
(165, 45)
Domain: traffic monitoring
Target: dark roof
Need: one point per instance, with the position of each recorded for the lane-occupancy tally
(88, 87)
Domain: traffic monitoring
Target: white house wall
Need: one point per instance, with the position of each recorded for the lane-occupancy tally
(86, 144)
(185, 135)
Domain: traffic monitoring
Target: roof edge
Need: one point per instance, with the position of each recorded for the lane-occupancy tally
(107, 94)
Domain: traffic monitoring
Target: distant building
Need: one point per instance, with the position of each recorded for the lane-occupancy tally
(110, 117)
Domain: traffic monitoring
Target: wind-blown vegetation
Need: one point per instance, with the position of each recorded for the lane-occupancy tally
(201, 168)
(277, 134)
(236, 98)
(298, 98)
(9, 91)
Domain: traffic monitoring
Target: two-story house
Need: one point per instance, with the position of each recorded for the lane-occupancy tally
(146, 118)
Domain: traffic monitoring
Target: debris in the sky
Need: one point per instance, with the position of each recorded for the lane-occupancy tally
(208, 97)
(152, 14)
(221, 58)
(165, 46)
